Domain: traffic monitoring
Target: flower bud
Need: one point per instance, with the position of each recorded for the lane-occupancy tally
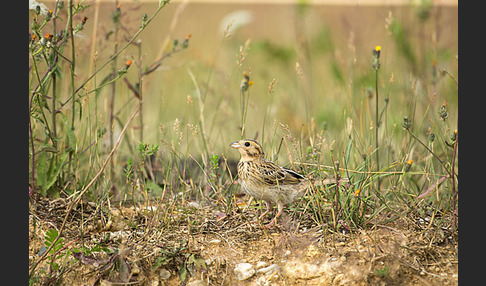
(406, 123)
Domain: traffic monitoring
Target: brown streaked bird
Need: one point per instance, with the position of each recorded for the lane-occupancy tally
(264, 180)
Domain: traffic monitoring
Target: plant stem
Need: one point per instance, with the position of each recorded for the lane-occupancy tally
(111, 127)
(377, 124)
(54, 63)
(454, 192)
(244, 111)
(72, 69)
(140, 83)
(73, 60)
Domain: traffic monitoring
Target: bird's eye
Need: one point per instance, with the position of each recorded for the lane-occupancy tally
(247, 144)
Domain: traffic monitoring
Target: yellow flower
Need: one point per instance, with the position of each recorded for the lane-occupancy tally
(376, 57)
(246, 82)
(408, 166)
(356, 193)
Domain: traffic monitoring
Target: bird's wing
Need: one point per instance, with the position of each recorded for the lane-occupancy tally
(274, 175)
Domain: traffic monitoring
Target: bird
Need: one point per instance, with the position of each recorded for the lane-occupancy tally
(264, 180)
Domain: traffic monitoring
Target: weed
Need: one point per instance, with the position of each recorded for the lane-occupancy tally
(382, 272)
(57, 255)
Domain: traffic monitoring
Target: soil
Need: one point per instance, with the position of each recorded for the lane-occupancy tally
(190, 244)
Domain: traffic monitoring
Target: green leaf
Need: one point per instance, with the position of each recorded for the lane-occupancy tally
(50, 237)
(198, 261)
(53, 174)
(123, 268)
(183, 273)
(71, 138)
(154, 187)
(42, 172)
(161, 260)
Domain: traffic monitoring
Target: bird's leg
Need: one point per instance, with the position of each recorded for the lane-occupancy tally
(248, 204)
(269, 206)
(274, 220)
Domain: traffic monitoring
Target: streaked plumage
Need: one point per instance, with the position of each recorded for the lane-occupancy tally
(264, 180)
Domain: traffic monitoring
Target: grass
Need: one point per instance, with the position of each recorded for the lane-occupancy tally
(392, 133)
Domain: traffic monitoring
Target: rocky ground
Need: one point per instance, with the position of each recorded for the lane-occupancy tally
(194, 245)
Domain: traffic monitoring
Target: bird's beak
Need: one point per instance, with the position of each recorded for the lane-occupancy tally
(235, 145)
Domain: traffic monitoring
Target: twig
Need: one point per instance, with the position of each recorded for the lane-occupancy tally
(434, 185)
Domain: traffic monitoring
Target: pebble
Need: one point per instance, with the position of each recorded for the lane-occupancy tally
(244, 271)
(164, 273)
(269, 270)
(196, 283)
(261, 264)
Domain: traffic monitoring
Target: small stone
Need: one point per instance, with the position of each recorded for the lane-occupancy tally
(164, 273)
(269, 270)
(261, 264)
(196, 283)
(244, 271)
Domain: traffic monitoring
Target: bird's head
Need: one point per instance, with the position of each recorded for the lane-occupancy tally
(249, 149)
